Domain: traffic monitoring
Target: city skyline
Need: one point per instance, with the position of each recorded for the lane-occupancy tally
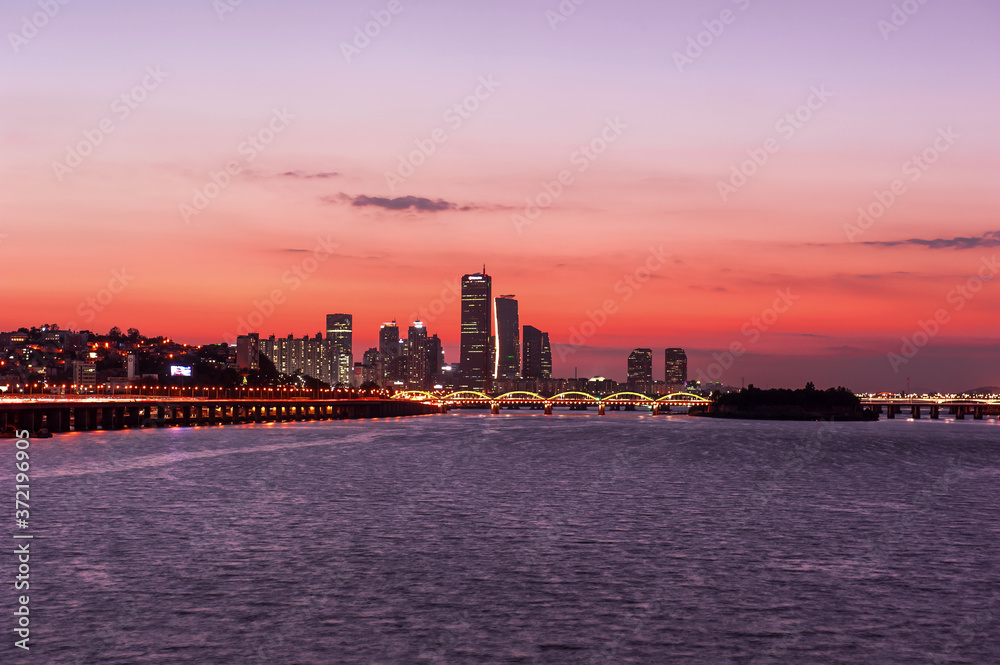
(185, 182)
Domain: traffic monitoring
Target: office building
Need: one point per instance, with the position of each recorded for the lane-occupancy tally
(640, 370)
(372, 367)
(340, 330)
(676, 365)
(507, 352)
(390, 349)
(546, 363)
(537, 354)
(417, 374)
(435, 355)
(477, 298)
(84, 374)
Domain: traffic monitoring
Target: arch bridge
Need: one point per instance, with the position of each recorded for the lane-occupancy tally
(573, 399)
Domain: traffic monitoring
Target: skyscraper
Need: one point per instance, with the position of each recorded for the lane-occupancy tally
(676, 365)
(340, 330)
(537, 354)
(640, 369)
(435, 355)
(390, 353)
(477, 297)
(546, 363)
(507, 354)
(417, 375)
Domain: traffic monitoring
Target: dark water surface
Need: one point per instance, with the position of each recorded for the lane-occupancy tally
(516, 539)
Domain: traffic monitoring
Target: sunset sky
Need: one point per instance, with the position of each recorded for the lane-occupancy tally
(184, 85)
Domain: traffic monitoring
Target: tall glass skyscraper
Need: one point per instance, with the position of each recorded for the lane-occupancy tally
(546, 362)
(477, 297)
(340, 330)
(507, 354)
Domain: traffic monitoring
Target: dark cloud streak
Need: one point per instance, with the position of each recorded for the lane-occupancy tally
(989, 239)
(400, 203)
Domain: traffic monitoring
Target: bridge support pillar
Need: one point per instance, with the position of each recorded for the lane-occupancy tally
(891, 412)
(494, 409)
(959, 413)
(548, 409)
(656, 409)
(935, 412)
(979, 413)
(916, 412)
(600, 410)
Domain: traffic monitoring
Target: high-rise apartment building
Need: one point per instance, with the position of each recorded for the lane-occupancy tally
(340, 330)
(507, 352)
(676, 366)
(477, 298)
(248, 352)
(307, 356)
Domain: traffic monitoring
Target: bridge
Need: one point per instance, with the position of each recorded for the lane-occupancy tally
(82, 414)
(960, 407)
(572, 399)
